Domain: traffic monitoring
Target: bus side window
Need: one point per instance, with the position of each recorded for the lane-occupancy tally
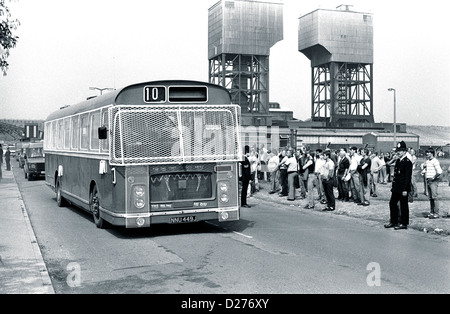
(95, 123)
(75, 133)
(104, 145)
(84, 122)
(67, 133)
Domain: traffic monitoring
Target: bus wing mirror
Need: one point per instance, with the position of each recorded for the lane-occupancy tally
(102, 133)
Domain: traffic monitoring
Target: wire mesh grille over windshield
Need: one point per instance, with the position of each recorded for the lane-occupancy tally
(143, 135)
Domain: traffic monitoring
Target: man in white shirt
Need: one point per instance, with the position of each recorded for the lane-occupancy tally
(327, 174)
(354, 181)
(432, 172)
(314, 180)
(319, 163)
(272, 166)
(291, 164)
(375, 169)
(413, 158)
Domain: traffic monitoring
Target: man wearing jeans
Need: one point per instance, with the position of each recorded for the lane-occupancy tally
(354, 181)
(433, 171)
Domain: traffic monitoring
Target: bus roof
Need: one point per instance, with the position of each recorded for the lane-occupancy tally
(123, 95)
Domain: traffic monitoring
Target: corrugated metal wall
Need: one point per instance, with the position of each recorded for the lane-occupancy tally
(336, 36)
(244, 27)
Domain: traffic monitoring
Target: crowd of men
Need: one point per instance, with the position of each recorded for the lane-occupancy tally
(353, 173)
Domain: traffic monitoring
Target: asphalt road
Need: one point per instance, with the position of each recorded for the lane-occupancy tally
(273, 249)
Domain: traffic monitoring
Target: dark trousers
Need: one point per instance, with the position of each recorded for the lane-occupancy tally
(404, 208)
(342, 187)
(244, 192)
(328, 187)
(284, 182)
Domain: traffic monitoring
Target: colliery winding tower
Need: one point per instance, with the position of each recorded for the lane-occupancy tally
(339, 44)
(241, 33)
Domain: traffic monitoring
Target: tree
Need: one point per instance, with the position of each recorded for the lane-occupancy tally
(7, 38)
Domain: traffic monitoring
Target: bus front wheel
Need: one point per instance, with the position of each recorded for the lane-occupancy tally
(94, 203)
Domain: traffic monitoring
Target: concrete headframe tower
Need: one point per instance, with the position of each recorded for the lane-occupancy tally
(241, 33)
(339, 44)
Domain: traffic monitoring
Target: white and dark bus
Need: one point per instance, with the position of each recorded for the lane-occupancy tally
(150, 153)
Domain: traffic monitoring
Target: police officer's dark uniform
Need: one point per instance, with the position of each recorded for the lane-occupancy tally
(245, 178)
(401, 186)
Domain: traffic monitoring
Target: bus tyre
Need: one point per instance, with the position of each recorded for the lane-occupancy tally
(94, 204)
(59, 198)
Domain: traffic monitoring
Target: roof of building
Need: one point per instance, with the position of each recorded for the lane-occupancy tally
(389, 134)
(330, 132)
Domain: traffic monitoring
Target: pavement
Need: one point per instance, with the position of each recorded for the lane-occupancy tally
(22, 268)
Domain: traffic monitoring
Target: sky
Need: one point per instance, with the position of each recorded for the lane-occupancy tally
(67, 46)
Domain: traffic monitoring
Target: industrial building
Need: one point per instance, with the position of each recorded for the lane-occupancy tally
(241, 34)
(339, 44)
(335, 139)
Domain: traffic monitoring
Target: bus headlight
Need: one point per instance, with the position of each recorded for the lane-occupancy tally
(139, 203)
(223, 186)
(138, 194)
(32, 166)
(139, 191)
(224, 198)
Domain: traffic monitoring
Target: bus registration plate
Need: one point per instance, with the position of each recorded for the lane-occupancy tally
(180, 220)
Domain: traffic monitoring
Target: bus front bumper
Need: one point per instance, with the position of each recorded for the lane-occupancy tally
(171, 217)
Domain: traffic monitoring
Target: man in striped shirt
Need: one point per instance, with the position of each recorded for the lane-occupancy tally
(432, 171)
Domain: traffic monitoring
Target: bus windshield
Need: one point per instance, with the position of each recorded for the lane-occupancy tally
(35, 152)
(173, 134)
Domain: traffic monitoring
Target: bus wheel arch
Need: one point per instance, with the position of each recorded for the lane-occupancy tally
(60, 200)
(94, 205)
(56, 178)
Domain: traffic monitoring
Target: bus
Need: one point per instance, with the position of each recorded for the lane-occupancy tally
(161, 152)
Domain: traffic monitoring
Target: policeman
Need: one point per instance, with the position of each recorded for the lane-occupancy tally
(401, 186)
(246, 177)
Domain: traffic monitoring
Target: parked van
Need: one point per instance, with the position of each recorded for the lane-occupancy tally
(34, 166)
